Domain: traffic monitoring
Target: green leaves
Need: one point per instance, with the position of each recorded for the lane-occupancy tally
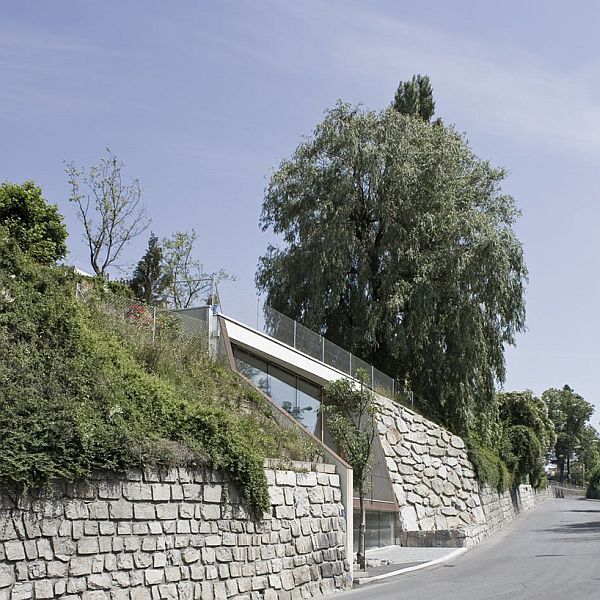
(397, 245)
(37, 227)
(349, 411)
(81, 392)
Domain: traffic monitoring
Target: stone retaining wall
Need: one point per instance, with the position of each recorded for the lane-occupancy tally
(439, 498)
(431, 475)
(177, 534)
(501, 508)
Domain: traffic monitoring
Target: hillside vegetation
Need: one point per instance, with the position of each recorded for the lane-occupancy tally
(82, 391)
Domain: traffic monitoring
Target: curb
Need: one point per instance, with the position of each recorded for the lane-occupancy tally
(365, 580)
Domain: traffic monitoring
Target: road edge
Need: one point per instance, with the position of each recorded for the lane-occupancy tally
(365, 580)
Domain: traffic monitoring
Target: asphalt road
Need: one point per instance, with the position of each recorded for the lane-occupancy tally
(551, 553)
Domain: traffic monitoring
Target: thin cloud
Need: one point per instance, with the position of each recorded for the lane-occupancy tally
(505, 92)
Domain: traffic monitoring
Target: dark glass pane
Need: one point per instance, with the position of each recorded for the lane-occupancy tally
(253, 368)
(308, 399)
(283, 389)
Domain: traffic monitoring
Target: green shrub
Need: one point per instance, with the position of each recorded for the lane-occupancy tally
(489, 468)
(593, 487)
(82, 390)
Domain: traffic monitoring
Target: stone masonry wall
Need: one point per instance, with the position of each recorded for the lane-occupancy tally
(501, 508)
(431, 475)
(439, 498)
(175, 535)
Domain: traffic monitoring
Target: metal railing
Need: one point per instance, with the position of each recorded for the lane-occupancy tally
(253, 312)
(176, 329)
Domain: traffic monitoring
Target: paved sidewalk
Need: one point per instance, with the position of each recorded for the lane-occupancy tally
(394, 560)
(398, 555)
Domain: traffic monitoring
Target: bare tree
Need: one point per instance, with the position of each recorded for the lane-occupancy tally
(188, 280)
(110, 210)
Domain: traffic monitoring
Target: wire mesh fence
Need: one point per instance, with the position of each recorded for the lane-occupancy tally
(251, 311)
(175, 333)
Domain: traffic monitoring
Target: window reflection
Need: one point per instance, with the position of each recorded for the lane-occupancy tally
(295, 395)
(380, 529)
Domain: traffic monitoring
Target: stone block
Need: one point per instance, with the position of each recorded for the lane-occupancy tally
(285, 512)
(167, 512)
(301, 575)
(90, 527)
(409, 518)
(144, 511)
(212, 493)
(7, 575)
(80, 565)
(100, 581)
(76, 509)
(30, 549)
(223, 570)
(192, 491)
(120, 509)
(186, 510)
(137, 491)
(185, 589)
(124, 562)
(95, 595)
(7, 529)
(172, 574)
(98, 510)
(259, 583)
(161, 492)
(106, 528)
(306, 479)
(142, 560)
(60, 587)
(286, 478)
(132, 543)
(88, 546)
(220, 591)
(276, 495)
(14, 550)
(76, 585)
(22, 591)
(153, 576)
(213, 540)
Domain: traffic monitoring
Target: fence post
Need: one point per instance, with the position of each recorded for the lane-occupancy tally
(372, 377)
(153, 324)
(295, 333)
(322, 349)
(350, 372)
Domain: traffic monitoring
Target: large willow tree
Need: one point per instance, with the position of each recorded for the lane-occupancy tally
(397, 244)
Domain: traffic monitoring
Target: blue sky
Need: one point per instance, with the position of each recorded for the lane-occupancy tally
(203, 99)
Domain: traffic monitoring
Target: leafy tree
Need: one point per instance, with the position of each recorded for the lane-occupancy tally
(398, 246)
(110, 210)
(188, 282)
(593, 487)
(35, 225)
(350, 417)
(528, 434)
(589, 451)
(415, 98)
(150, 279)
(569, 412)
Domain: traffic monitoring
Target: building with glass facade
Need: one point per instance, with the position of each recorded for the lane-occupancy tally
(294, 380)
